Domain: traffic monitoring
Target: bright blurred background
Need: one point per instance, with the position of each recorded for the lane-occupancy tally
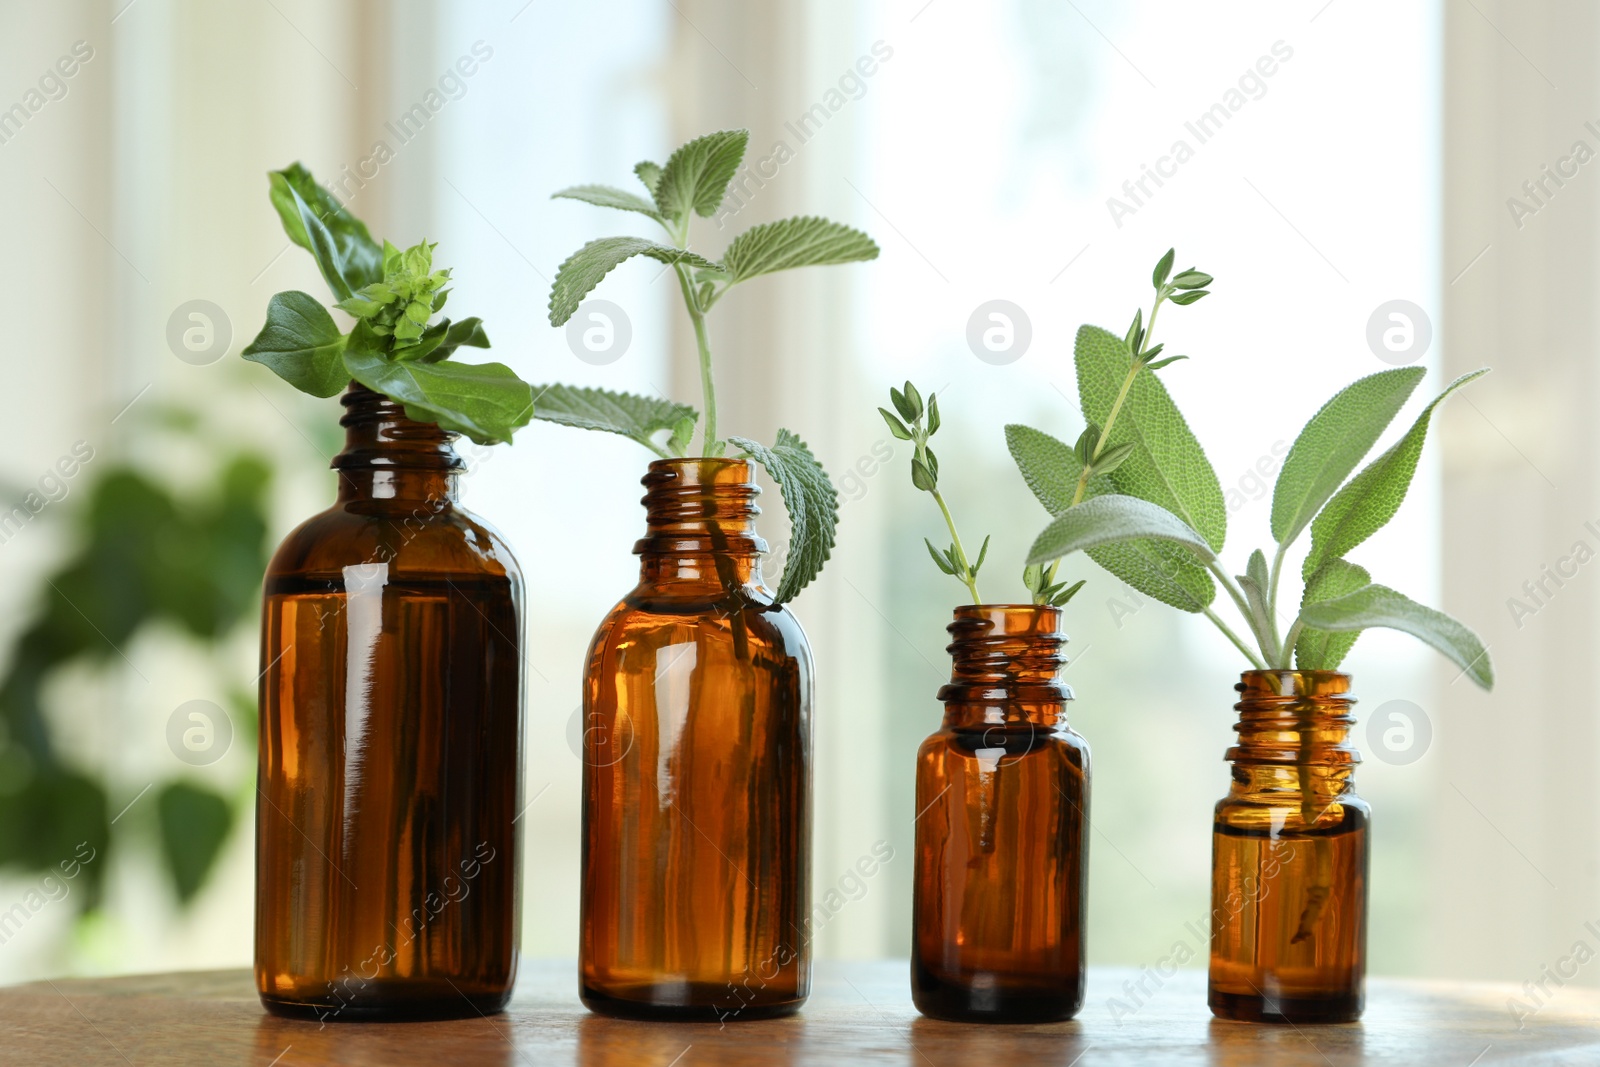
(1365, 156)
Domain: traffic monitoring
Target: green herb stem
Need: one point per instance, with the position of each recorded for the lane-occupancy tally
(967, 576)
(708, 392)
(1289, 642)
(1255, 660)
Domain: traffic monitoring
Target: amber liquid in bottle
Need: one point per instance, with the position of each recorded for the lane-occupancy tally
(1289, 861)
(387, 859)
(697, 770)
(1001, 875)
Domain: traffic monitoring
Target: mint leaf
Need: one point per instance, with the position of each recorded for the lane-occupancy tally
(812, 503)
(1370, 499)
(301, 344)
(1112, 518)
(1167, 465)
(1338, 436)
(345, 252)
(636, 417)
(649, 174)
(484, 401)
(609, 196)
(1377, 605)
(584, 268)
(696, 177)
(1324, 650)
(798, 242)
(1155, 568)
(194, 826)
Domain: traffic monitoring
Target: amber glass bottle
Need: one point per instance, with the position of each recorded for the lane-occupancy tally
(1001, 877)
(697, 770)
(1289, 859)
(387, 859)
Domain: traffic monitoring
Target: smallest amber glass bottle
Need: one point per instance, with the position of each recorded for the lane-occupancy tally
(1289, 860)
(1000, 884)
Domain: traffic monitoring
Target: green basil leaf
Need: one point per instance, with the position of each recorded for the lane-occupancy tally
(584, 269)
(1377, 605)
(484, 401)
(301, 344)
(798, 242)
(812, 503)
(346, 254)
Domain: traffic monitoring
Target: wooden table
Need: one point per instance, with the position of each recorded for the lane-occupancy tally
(858, 1013)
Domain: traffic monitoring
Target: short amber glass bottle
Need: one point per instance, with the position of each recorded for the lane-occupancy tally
(697, 770)
(387, 859)
(1289, 859)
(1001, 876)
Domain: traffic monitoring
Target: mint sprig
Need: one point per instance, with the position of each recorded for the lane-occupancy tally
(694, 181)
(1164, 493)
(395, 348)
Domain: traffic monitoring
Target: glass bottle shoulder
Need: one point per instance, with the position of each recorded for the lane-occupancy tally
(411, 536)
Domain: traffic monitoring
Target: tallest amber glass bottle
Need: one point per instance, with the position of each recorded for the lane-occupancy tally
(391, 742)
(697, 770)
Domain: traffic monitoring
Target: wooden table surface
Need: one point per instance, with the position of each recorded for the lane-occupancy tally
(858, 1013)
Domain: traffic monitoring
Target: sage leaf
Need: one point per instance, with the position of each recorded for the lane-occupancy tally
(1370, 499)
(812, 503)
(1324, 650)
(1113, 518)
(798, 242)
(584, 269)
(1338, 437)
(1167, 465)
(637, 417)
(484, 401)
(301, 344)
(1157, 569)
(346, 254)
(696, 177)
(1377, 605)
(609, 196)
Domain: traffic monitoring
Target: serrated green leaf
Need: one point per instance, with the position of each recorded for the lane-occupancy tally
(649, 175)
(301, 344)
(1163, 268)
(1158, 569)
(609, 196)
(696, 176)
(1324, 650)
(805, 241)
(812, 503)
(1338, 436)
(1370, 499)
(194, 826)
(636, 417)
(484, 401)
(1377, 605)
(584, 269)
(345, 252)
(1167, 466)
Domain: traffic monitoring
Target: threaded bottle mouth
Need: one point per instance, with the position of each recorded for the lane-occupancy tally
(700, 505)
(1294, 717)
(380, 436)
(1006, 653)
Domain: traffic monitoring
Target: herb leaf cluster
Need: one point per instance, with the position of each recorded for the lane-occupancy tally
(395, 347)
(694, 181)
(1155, 517)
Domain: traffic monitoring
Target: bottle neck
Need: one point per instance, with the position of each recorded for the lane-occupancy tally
(700, 524)
(1005, 666)
(1294, 733)
(387, 456)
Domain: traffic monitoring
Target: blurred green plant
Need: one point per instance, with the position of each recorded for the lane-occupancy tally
(146, 556)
